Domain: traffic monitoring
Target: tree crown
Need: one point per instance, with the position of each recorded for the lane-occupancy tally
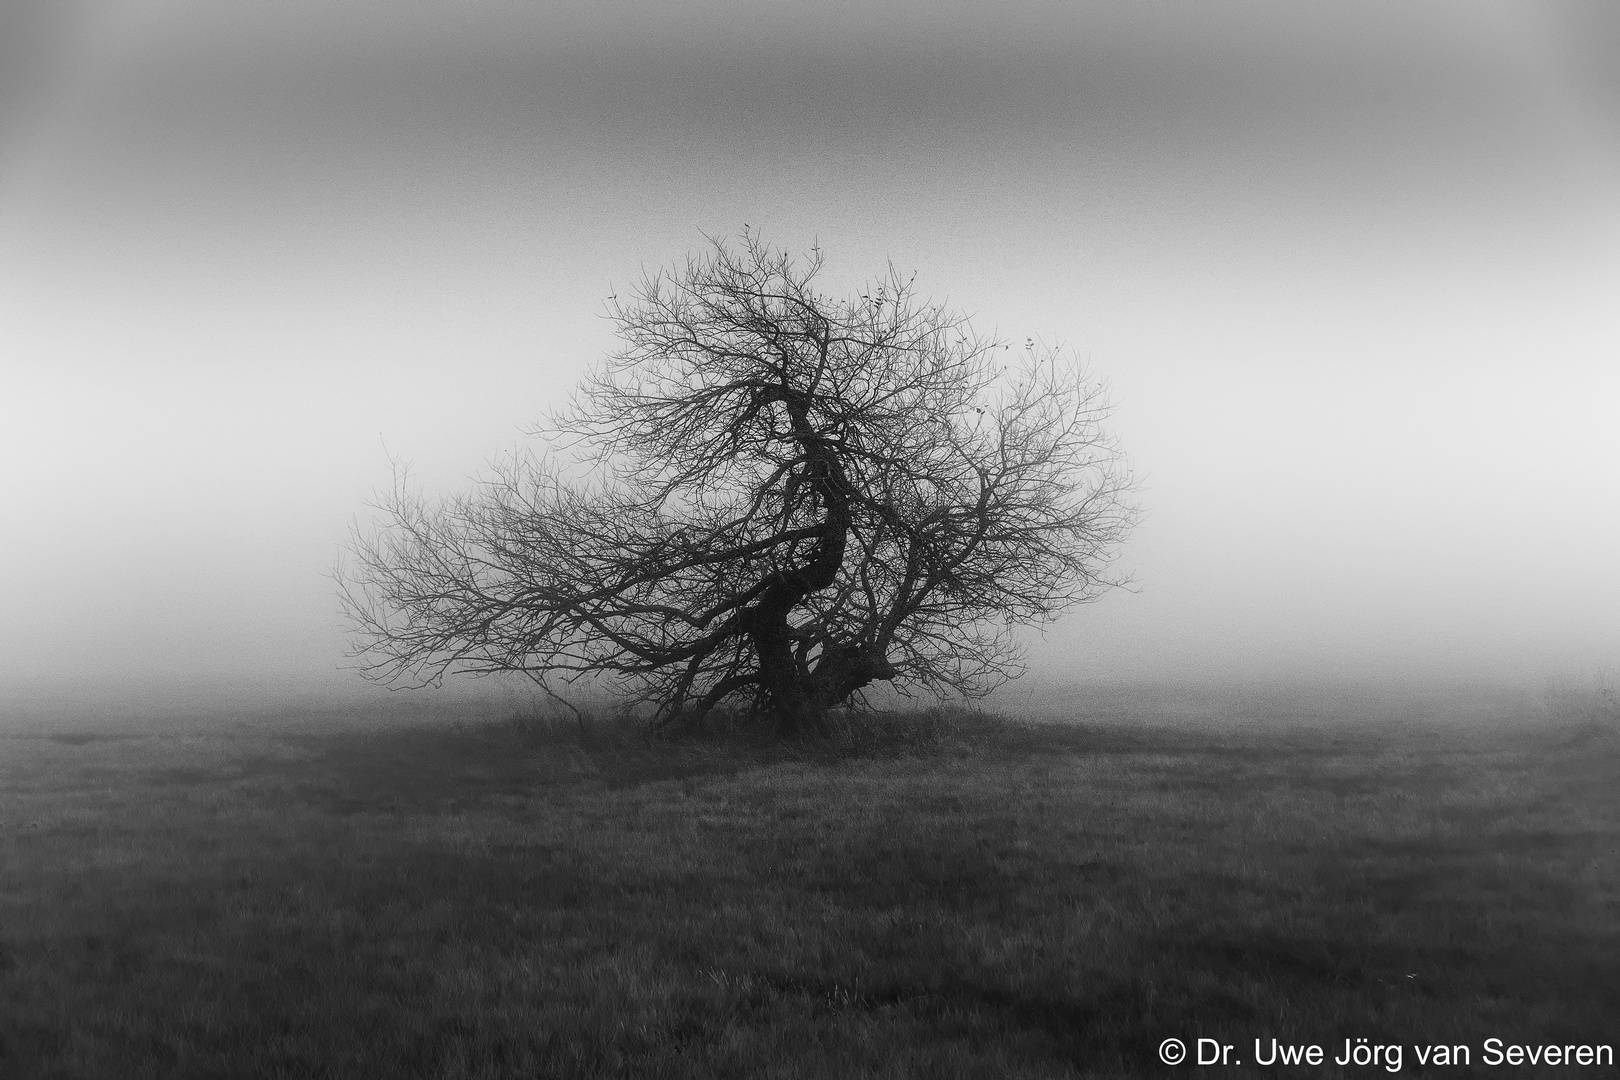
(791, 497)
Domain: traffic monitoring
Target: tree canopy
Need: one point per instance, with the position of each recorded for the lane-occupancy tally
(767, 499)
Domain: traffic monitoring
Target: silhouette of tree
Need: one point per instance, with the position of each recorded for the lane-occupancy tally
(787, 498)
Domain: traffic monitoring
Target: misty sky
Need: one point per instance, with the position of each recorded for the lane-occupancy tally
(1351, 270)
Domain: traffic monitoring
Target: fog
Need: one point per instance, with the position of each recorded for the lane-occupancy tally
(1350, 271)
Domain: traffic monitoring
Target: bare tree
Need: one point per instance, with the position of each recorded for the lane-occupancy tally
(787, 498)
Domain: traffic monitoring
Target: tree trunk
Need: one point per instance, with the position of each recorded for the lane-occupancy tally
(797, 700)
(779, 675)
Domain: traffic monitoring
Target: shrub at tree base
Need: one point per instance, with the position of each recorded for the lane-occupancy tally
(788, 498)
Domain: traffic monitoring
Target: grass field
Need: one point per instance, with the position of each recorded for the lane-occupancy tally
(382, 896)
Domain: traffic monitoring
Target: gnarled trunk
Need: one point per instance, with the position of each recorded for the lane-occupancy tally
(798, 699)
(787, 701)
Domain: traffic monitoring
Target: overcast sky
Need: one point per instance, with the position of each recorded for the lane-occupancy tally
(1351, 270)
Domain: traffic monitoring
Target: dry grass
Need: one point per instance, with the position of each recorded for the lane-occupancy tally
(948, 898)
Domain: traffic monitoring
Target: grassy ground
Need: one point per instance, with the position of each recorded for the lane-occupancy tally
(341, 897)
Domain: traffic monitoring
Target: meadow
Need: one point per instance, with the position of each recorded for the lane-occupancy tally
(436, 892)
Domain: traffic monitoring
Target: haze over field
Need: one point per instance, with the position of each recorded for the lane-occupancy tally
(1350, 269)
